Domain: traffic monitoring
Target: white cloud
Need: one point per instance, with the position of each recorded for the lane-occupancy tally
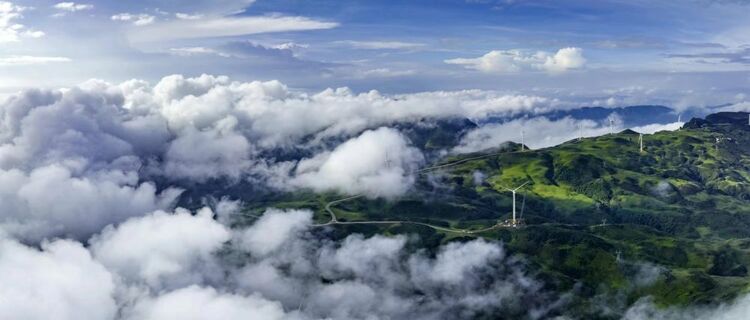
(137, 19)
(164, 266)
(271, 231)
(50, 201)
(201, 155)
(209, 127)
(656, 127)
(186, 16)
(290, 46)
(9, 61)
(359, 256)
(271, 115)
(56, 282)
(206, 303)
(457, 261)
(206, 7)
(225, 26)
(514, 61)
(10, 30)
(645, 309)
(378, 163)
(194, 51)
(386, 73)
(743, 106)
(73, 7)
(377, 277)
(161, 249)
(538, 132)
(380, 45)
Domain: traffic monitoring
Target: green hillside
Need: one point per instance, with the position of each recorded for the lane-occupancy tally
(604, 220)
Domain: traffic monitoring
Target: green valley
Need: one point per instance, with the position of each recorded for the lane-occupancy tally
(602, 219)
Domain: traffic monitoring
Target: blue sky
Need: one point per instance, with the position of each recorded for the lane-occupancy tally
(690, 52)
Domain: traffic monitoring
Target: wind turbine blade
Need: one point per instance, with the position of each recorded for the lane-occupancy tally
(521, 186)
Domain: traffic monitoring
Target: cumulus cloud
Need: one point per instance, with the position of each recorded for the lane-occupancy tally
(176, 265)
(10, 29)
(272, 115)
(378, 163)
(200, 155)
(70, 162)
(272, 229)
(514, 61)
(207, 127)
(378, 277)
(162, 250)
(202, 303)
(50, 201)
(57, 281)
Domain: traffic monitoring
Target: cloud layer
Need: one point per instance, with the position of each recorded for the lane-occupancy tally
(176, 265)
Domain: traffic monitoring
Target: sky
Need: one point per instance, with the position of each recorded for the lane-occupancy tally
(112, 112)
(685, 53)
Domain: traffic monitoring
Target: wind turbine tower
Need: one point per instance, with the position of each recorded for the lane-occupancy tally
(611, 125)
(640, 140)
(522, 146)
(514, 221)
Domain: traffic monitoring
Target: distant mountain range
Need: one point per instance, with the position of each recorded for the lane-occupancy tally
(632, 116)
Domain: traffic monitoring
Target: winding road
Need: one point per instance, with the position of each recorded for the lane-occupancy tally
(335, 221)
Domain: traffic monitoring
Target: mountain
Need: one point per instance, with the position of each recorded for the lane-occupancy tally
(603, 220)
(631, 116)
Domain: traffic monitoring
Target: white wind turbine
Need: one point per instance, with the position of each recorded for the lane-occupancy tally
(514, 222)
(611, 125)
(640, 140)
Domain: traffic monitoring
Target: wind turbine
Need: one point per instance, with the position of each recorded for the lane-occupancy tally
(522, 146)
(640, 140)
(718, 140)
(611, 125)
(514, 222)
